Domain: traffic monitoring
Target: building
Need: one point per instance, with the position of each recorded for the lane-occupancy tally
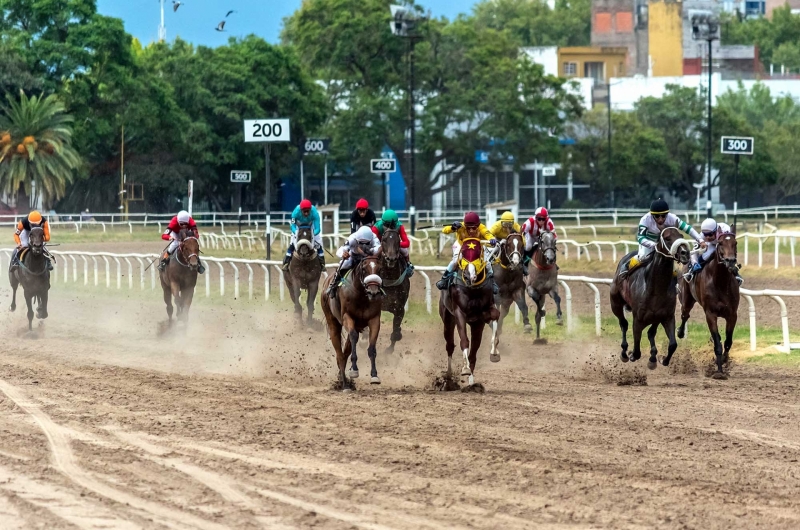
(665, 31)
(623, 24)
(592, 62)
(771, 5)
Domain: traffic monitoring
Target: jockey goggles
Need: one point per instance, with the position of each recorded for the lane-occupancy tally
(710, 234)
(659, 216)
(541, 218)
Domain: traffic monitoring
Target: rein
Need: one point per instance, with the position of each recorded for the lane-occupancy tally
(35, 273)
(180, 251)
(540, 251)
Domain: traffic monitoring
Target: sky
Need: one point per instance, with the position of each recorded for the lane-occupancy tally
(195, 20)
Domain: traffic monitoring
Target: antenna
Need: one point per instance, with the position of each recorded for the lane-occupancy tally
(162, 29)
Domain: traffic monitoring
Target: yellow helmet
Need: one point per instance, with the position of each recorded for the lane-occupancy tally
(35, 217)
(507, 217)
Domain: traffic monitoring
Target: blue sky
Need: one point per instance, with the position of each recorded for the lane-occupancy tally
(195, 20)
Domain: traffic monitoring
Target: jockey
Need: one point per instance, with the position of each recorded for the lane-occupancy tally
(181, 221)
(363, 236)
(650, 228)
(505, 226)
(470, 228)
(361, 216)
(532, 229)
(389, 219)
(22, 235)
(711, 231)
(305, 214)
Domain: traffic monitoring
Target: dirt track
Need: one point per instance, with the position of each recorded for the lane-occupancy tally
(106, 423)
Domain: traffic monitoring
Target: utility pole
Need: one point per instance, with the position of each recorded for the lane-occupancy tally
(162, 29)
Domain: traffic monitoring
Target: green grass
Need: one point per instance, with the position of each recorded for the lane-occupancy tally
(788, 360)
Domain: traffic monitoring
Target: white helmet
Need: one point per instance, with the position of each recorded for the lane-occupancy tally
(183, 216)
(364, 234)
(709, 225)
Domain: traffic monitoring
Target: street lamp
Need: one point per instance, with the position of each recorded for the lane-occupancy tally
(404, 24)
(705, 26)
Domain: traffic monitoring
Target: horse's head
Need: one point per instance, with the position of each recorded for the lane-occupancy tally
(36, 240)
(513, 247)
(368, 272)
(671, 243)
(305, 238)
(390, 246)
(189, 249)
(547, 246)
(471, 262)
(726, 252)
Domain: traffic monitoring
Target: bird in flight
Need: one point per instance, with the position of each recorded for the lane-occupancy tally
(229, 13)
(176, 5)
(220, 26)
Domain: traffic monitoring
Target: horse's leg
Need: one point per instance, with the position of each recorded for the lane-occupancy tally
(41, 311)
(335, 334)
(372, 352)
(637, 340)
(295, 293)
(669, 329)
(537, 317)
(187, 295)
(617, 307)
(449, 338)
(476, 335)
(519, 299)
(313, 287)
(29, 301)
(176, 294)
(730, 325)
(711, 320)
(352, 337)
(687, 303)
(557, 299)
(397, 323)
(168, 300)
(497, 330)
(12, 279)
(461, 326)
(651, 336)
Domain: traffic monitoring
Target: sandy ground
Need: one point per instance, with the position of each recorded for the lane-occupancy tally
(108, 420)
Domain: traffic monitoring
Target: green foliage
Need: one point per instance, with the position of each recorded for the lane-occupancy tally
(533, 23)
(768, 34)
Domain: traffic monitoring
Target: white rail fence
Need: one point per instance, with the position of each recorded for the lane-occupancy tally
(90, 267)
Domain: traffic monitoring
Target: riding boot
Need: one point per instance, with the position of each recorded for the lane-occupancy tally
(495, 288)
(162, 266)
(321, 258)
(739, 279)
(48, 263)
(286, 260)
(409, 269)
(200, 267)
(334, 285)
(444, 283)
(624, 270)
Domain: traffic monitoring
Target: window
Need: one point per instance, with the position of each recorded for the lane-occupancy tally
(602, 23)
(624, 21)
(570, 69)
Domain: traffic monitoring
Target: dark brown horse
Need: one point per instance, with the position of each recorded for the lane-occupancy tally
(357, 306)
(510, 279)
(468, 300)
(304, 272)
(542, 278)
(396, 283)
(179, 277)
(32, 273)
(649, 292)
(716, 290)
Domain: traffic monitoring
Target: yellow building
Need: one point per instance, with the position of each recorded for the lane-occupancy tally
(665, 32)
(597, 62)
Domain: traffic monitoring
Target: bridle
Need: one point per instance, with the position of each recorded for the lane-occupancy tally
(180, 252)
(671, 250)
(718, 252)
(544, 251)
(516, 251)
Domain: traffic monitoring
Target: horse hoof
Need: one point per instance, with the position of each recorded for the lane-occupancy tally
(472, 380)
(13, 308)
(375, 380)
(346, 390)
(721, 376)
(466, 371)
(494, 357)
(623, 357)
(353, 374)
(527, 329)
(540, 341)
(681, 333)
(652, 365)
(559, 322)
(665, 361)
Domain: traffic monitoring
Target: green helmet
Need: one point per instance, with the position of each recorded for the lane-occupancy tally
(390, 218)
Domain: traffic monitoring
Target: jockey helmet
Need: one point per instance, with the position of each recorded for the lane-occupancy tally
(35, 217)
(305, 204)
(364, 234)
(183, 217)
(472, 219)
(659, 206)
(709, 227)
(507, 217)
(362, 204)
(390, 218)
(541, 213)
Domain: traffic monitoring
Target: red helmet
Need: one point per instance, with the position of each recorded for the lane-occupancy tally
(305, 204)
(471, 218)
(541, 213)
(362, 204)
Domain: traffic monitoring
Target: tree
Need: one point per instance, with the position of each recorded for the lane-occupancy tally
(533, 23)
(784, 151)
(767, 34)
(36, 146)
(788, 54)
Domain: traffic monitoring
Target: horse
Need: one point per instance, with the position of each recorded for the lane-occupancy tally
(396, 283)
(543, 278)
(33, 275)
(179, 277)
(357, 306)
(716, 290)
(468, 300)
(649, 292)
(510, 280)
(304, 272)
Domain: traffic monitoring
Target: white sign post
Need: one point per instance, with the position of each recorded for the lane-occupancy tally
(267, 132)
(191, 195)
(384, 166)
(736, 145)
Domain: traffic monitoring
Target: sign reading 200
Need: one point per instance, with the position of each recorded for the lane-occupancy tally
(266, 130)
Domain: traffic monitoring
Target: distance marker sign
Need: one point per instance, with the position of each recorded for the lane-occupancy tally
(737, 145)
(241, 177)
(383, 165)
(266, 130)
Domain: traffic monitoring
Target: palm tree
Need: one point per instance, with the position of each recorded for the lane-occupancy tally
(36, 146)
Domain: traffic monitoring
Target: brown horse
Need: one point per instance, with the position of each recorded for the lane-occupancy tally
(357, 306)
(716, 290)
(395, 282)
(34, 277)
(510, 279)
(649, 292)
(468, 300)
(304, 272)
(179, 277)
(542, 278)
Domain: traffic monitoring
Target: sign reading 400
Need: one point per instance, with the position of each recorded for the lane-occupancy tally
(383, 165)
(266, 130)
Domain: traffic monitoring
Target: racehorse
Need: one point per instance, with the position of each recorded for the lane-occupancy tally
(510, 280)
(304, 272)
(716, 290)
(542, 277)
(179, 277)
(396, 284)
(649, 292)
(468, 300)
(32, 273)
(357, 306)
